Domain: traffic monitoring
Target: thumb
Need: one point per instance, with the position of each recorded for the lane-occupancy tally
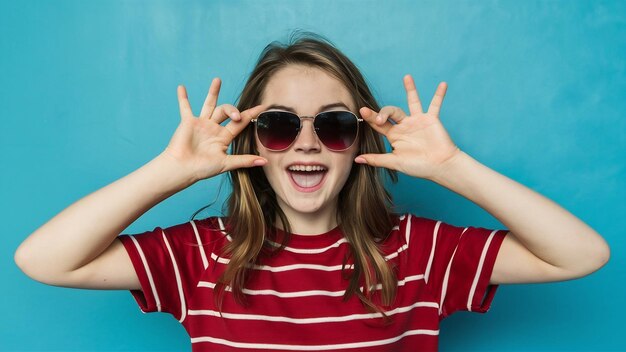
(377, 160)
(243, 161)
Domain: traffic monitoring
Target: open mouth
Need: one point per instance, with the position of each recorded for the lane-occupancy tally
(307, 178)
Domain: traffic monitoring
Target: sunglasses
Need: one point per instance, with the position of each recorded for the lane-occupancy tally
(277, 130)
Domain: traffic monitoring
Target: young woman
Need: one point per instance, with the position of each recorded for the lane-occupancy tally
(310, 255)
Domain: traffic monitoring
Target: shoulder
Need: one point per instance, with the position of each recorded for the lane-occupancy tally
(421, 234)
(213, 223)
(410, 218)
(419, 225)
(411, 224)
(409, 228)
(210, 228)
(199, 231)
(431, 236)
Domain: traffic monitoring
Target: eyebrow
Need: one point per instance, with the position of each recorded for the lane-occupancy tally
(322, 108)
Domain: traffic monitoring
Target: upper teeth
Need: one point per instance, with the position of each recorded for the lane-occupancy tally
(306, 168)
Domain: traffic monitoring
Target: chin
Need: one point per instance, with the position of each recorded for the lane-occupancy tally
(305, 208)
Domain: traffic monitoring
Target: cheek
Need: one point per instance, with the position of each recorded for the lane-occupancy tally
(271, 169)
(346, 164)
(258, 147)
(354, 151)
(263, 152)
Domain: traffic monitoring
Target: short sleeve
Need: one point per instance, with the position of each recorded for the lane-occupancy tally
(458, 262)
(168, 263)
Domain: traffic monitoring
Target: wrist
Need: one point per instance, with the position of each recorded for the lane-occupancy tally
(450, 168)
(173, 171)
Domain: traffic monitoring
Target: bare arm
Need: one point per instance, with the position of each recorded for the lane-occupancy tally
(545, 243)
(78, 247)
(81, 232)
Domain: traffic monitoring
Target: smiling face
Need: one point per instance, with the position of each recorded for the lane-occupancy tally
(307, 177)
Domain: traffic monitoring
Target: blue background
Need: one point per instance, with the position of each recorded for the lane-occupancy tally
(537, 91)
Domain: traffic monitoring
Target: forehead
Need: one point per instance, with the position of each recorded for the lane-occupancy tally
(305, 89)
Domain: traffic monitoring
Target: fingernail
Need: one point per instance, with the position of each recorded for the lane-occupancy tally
(379, 118)
(235, 116)
(360, 160)
(259, 162)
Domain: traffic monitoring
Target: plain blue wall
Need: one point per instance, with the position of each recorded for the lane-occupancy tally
(537, 91)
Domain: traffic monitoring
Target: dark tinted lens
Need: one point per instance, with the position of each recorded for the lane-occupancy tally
(277, 129)
(336, 129)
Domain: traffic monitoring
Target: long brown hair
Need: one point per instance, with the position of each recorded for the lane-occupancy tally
(364, 205)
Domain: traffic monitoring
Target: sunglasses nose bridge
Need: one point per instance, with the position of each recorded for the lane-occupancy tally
(304, 118)
(312, 118)
(307, 138)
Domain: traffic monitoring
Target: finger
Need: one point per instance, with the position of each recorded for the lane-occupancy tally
(369, 116)
(211, 99)
(240, 161)
(413, 99)
(435, 104)
(183, 102)
(377, 160)
(225, 111)
(390, 112)
(253, 112)
(234, 127)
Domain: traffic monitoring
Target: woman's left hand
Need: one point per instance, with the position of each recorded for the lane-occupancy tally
(421, 146)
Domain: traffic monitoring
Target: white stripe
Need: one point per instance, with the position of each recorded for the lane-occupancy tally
(309, 251)
(479, 270)
(407, 231)
(221, 260)
(271, 346)
(404, 281)
(147, 268)
(402, 216)
(183, 307)
(205, 262)
(309, 293)
(410, 278)
(316, 320)
(278, 269)
(219, 220)
(432, 251)
(279, 294)
(445, 277)
(294, 294)
(395, 254)
(223, 229)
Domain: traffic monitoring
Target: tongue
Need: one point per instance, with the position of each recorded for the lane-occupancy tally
(307, 179)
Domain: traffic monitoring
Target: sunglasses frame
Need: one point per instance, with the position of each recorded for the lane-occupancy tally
(300, 118)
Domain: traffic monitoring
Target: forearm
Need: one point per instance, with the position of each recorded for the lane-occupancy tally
(547, 230)
(86, 228)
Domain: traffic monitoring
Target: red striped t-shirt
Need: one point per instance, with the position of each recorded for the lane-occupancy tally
(295, 300)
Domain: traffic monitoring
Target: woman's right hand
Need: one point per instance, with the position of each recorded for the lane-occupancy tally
(200, 144)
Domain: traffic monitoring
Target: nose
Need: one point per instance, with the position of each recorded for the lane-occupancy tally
(307, 140)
